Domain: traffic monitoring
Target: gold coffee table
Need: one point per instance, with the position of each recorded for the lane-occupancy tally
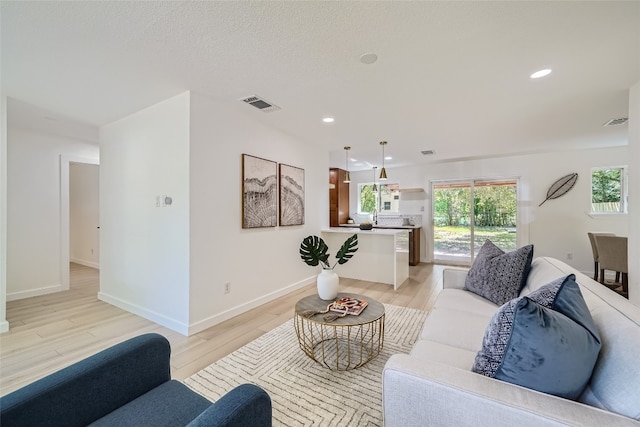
(346, 343)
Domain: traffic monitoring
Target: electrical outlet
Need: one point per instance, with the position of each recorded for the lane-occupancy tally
(569, 256)
(227, 288)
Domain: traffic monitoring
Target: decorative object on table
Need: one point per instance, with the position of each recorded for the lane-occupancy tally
(349, 305)
(366, 226)
(291, 195)
(342, 306)
(314, 251)
(561, 187)
(259, 192)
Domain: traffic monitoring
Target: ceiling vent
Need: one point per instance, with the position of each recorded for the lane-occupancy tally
(261, 104)
(616, 122)
(428, 152)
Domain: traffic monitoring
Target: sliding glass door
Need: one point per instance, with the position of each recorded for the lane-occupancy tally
(466, 213)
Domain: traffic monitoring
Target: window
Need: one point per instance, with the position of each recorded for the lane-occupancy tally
(467, 213)
(386, 198)
(609, 190)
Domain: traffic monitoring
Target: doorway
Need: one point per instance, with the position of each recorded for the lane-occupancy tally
(466, 213)
(79, 200)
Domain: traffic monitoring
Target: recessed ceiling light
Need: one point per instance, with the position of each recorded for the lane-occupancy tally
(388, 158)
(368, 58)
(541, 73)
(328, 119)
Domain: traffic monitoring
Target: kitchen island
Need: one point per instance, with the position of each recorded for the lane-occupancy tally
(414, 239)
(382, 256)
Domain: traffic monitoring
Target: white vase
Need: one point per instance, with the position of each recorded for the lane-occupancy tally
(328, 282)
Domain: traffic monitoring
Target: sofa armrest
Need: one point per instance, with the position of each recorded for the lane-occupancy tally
(453, 278)
(91, 388)
(419, 392)
(245, 405)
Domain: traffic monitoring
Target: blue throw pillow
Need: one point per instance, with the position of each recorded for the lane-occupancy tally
(564, 295)
(499, 276)
(539, 348)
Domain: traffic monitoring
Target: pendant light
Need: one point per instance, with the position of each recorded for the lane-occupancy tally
(347, 176)
(375, 187)
(383, 172)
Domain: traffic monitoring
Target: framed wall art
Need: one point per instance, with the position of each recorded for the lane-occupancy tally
(291, 195)
(259, 192)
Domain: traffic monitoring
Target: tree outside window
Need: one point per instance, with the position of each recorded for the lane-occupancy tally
(386, 198)
(608, 190)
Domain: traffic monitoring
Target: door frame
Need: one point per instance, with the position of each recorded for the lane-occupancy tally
(522, 221)
(65, 162)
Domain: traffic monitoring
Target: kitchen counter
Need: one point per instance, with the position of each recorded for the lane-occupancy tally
(383, 226)
(414, 237)
(382, 256)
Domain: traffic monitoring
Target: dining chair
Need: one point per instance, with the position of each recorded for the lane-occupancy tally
(594, 250)
(613, 256)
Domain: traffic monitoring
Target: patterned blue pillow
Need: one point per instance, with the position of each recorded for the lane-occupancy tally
(539, 348)
(499, 276)
(564, 295)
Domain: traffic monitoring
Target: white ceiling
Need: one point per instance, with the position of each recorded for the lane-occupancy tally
(451, 76)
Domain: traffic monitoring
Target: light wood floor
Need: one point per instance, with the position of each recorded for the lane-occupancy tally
(52, 331)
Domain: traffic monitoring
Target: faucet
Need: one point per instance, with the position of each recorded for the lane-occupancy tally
(375, 216)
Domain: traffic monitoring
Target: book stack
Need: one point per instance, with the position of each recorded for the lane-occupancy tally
(349, 305)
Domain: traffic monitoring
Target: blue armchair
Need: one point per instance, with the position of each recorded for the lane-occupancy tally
(129, 384)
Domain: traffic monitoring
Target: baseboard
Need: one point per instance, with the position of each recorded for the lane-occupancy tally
(86, 263)
(201, 325)
(151, 315)
(13, 296)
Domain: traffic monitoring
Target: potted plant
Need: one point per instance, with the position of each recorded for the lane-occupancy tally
(314, 251)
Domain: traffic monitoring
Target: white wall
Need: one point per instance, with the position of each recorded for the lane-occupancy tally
(4, 325)
(261, 264)
(33, 214)
(634, 194)
(84, 214)
(556, 228)
(170, 264)
(144, 249)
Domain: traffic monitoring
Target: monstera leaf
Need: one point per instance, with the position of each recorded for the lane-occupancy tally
(313, 250)
(348, 249)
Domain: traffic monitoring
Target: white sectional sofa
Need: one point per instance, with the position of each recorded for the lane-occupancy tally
(434, 384)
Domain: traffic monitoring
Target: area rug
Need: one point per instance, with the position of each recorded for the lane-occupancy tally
(304, 393)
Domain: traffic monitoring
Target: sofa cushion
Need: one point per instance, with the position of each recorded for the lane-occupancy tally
(170, 404)
(539, 348)
(457, 328)
(563, 295)
(499, 276)
(459, 299)
(614, 382)
(443, 353)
